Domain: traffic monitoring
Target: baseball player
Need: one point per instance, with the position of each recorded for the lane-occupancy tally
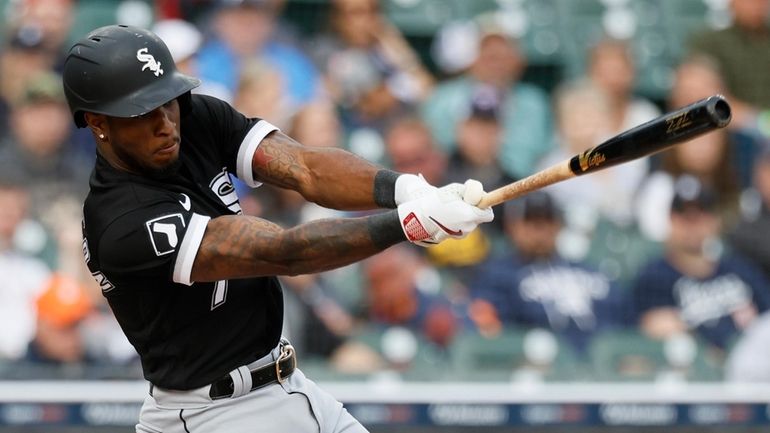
(190, 279)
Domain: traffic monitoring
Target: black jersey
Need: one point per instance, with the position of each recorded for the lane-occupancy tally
(140, 239)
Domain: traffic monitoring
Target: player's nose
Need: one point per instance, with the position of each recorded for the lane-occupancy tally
(164, 122)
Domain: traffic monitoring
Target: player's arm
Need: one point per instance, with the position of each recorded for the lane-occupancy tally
(331, 177)
(236, 246)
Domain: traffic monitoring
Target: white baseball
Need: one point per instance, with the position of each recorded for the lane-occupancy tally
(474, 191)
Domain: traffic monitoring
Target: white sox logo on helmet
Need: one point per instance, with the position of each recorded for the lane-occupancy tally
(149, 61)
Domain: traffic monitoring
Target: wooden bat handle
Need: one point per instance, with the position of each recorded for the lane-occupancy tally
(543, 178)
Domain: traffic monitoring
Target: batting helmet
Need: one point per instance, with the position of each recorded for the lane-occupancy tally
(122, 71)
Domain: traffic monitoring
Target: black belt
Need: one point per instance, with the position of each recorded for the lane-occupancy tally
(275, 372)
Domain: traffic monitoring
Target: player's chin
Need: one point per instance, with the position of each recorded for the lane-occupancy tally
(163, 169)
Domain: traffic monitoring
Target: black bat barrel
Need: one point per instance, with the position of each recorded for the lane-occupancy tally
(658, 134)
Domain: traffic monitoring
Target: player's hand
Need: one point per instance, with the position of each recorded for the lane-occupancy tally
(411, 187)
(439, 215)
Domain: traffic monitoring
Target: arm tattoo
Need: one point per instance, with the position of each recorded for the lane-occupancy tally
(276, 162)
(237, 246)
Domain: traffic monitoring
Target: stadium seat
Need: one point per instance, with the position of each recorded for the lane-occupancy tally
(511, 356)
(427, 362)
(631, 356)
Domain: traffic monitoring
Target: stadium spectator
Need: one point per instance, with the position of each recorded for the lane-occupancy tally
(50, 21)
(742, 53)
(695, 286)
(241, 31)
(611, 68)
(318, 124)
(259, 93)
(61, 308)
(371, 71)
(709, 157)
(403, 290)
(583, 113)
(755, 219)
(525, 113)
(38, 144)
(410, 148)
(533, 286)
(23, 56)
(479, 137)
(322, 324)
(184, 40)
(23, 276)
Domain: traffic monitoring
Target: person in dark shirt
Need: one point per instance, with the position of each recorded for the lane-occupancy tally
(754, 222)
(694, 286)
(191, 280)
(534, 286)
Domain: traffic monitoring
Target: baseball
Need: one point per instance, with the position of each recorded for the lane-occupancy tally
(474, 191)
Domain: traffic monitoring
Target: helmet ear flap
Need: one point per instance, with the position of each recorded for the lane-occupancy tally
(80, 119)
(185, 104)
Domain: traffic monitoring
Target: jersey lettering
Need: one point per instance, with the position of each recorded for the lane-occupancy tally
(163, 233)
(220, 294)
(86, 251)
(103, 282)
(223, 188)
(100, 278)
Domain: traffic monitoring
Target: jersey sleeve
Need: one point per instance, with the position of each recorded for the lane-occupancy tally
(157, 241)
(237, 135)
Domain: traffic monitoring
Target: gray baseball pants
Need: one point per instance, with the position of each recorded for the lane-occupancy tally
(297, 405)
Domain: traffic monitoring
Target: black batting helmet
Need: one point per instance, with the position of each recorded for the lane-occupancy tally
(122, 71)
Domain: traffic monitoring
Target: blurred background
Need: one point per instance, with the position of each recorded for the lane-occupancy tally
(626, 300)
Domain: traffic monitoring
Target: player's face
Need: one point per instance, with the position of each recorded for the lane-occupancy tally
(147, 144)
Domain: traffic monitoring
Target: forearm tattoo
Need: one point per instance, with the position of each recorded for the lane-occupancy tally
(238, 246)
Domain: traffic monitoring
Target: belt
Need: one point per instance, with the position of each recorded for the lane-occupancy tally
(275, 372)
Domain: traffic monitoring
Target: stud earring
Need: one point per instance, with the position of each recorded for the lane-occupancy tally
(101, 136)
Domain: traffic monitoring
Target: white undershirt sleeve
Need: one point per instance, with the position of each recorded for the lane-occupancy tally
(189, 249)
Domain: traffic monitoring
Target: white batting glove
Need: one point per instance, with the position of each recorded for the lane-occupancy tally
(410, 187)
(439, 215)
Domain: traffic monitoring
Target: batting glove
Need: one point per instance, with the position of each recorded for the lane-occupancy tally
(411, 187)
(439, 215)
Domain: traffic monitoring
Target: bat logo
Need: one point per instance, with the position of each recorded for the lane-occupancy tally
(677, 122)
(149, 62)
(590, 159)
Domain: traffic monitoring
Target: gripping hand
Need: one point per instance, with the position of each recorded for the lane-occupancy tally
(440, 214)
(410, 187)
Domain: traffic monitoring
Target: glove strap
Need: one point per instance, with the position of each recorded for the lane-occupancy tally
(414, 229)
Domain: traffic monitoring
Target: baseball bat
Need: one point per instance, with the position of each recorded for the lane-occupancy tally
(646, 139)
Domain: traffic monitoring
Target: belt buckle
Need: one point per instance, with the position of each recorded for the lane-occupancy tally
(287, 351)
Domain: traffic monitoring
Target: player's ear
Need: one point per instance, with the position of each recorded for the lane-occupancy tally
(97, 123)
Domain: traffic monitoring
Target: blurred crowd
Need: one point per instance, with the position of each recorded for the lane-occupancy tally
(653, 269)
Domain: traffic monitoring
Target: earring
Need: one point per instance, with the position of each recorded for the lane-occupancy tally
(101, 136)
